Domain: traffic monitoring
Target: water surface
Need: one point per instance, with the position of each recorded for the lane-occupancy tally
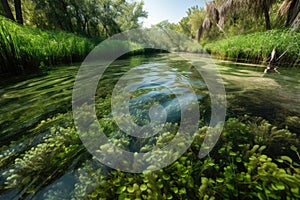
(35, 111)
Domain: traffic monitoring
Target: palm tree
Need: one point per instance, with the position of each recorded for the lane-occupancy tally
(259, 7)
(18, 9)
(7, 10)
(290, 8)
(218, 12)
(213, 17)
(254, 7)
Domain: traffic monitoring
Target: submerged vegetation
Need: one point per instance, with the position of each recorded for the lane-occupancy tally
(247, 163)
(44, 158)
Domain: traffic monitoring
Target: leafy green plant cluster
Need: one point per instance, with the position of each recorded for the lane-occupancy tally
(252, 160)
(29, 164)
(244, 165)
(257, 47)
(16, 147)
(241, 166)
(44, 161)
(25, 48)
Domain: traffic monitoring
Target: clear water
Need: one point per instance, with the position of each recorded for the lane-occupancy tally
(31, 109)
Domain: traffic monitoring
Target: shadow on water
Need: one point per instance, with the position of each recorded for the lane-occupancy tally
(275, 97)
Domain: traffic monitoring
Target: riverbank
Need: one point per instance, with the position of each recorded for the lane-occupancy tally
(257, 47)
(26, 49)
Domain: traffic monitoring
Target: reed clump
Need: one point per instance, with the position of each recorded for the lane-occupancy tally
(257, 47)
(26, 49)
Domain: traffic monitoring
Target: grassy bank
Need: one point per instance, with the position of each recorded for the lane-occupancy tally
(26, 49)
(257, 47)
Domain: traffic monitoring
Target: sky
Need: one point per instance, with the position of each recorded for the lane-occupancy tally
(171, 10)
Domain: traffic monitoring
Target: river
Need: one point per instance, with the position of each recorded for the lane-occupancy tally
(37, 163)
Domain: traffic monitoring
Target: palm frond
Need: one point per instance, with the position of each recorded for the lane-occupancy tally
(206, 25)
(284, 7)
(212, 11)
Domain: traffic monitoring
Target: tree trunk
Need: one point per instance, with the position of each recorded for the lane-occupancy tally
(296, 23)
(293, 12)
(198, 33)
(18, 9)
(267, 17)
(7, 10)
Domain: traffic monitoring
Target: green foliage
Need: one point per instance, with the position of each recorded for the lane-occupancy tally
(293, 123)
(244, 164)
(93, 18)
(257, 47)
(12, 151)
(25, 48)
(196, 18)
(242, 170)
(44, 161)
(236, 168)
(9, 50)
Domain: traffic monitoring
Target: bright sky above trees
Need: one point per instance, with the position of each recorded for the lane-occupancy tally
(172, 10)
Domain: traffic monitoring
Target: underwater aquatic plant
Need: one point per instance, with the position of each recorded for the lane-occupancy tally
(246, 163)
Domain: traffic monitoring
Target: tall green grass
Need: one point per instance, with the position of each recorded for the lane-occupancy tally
(257, 47)
(25, 48)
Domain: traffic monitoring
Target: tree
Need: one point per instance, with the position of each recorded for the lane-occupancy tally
(18, 9)
(7, 10)
(221, 10)
(256, 8)
(189, 25)
(259, 7)
(185, 27)
(290, 8)
(196, 18)
(88, 17)
(130, 14)
(212, 17)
